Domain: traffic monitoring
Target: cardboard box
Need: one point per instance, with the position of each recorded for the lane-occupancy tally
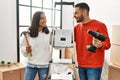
(115, 55)
(68, 53)
(114, 72)
(10, 72)
(22, 71)
(21, 67)
(115, 34)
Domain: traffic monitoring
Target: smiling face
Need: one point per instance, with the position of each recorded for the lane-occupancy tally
(42, 22)
(79, 14)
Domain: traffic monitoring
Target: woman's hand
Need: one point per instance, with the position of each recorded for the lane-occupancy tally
(28, 49)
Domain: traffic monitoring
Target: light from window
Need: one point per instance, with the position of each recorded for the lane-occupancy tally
(25, 2)
(47, 4)
(37, 3)
(48, 16)
(57, 19)
(35, 10)
(24, 15)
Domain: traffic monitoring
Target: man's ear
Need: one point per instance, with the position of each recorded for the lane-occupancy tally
(84, 12)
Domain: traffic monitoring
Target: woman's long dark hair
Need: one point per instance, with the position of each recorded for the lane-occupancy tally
(35, 24)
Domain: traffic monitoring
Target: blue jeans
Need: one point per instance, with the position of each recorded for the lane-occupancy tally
(89, 73)
(30, 73)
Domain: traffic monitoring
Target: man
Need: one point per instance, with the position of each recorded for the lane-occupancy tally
(89, 63)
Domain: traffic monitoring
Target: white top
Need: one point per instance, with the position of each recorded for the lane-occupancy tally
(40, 49)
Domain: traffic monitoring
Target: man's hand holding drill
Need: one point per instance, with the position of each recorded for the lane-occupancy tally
(97, 43)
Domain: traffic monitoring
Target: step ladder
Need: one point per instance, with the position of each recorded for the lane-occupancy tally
(61, 68)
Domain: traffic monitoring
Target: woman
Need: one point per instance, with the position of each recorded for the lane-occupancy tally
(39, 47)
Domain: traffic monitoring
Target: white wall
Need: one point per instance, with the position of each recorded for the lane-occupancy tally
(8, 34)
(67, 16)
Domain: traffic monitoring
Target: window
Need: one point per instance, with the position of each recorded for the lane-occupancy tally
(26, 9)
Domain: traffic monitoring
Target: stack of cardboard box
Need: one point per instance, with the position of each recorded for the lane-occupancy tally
(114, 68)
(9, 72)
(13, 71)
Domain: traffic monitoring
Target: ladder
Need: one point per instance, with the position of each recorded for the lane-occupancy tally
(61, 68)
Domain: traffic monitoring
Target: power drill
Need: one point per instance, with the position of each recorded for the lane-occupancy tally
(97, 36)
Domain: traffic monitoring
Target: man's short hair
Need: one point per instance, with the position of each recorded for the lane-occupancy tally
(83, 5)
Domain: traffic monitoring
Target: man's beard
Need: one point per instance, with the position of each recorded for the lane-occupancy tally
(80, 19)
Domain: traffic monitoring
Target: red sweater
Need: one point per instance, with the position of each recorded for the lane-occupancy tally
(86, 58)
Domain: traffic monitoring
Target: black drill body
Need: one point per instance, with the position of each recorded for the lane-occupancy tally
(97, 36)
